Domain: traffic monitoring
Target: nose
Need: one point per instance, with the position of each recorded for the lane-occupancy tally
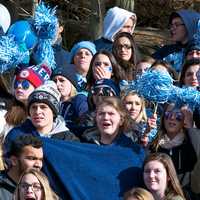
(38, 164)
(29, 189)
(132, 106)
(37, 110)
(151, 174)
(194, 76)
(106, 116)
(82, 55)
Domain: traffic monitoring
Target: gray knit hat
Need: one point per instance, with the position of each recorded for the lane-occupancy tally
(48, 94)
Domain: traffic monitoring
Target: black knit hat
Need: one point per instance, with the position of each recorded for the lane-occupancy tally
(66, 71)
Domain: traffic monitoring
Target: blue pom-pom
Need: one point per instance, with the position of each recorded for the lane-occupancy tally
(185, 96)
(12, 53)
(154, 86)
(45, 21)
(43, 53)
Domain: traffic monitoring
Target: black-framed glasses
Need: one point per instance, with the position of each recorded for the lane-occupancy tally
(124, 46)
(176, 25)
(25, 84)
(34, 186)
(179, 116)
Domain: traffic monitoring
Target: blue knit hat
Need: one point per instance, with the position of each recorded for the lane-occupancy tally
(106, 83)
(193, 45)
(82, 45)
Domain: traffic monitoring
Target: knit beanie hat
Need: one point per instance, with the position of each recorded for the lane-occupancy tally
(107, 83)
(66, 71)
(82, 45)
(193, 45)
(36, 74)
(48, 94)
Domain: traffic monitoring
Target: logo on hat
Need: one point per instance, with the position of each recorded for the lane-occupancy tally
(24, 73)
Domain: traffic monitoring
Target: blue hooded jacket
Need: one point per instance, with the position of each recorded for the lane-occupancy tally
(175, 53)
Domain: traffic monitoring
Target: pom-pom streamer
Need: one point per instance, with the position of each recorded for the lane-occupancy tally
(43, 53)
(154, 86)
(45, 22)
(12, 53)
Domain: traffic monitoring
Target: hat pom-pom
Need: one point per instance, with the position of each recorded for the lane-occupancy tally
(45, 21)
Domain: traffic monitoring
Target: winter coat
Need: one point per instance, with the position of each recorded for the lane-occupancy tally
(59, 131)
(195, 176)
(61, 55)
(7, 186)
(72, 111)
(175, 53)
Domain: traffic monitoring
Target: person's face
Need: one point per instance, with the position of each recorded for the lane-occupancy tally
(82, 61)
(173, 120)
(128, 26)
(124, 49)
(142, 67)
(30, 188)
(102, 67)
(133, 104)
(64, 86)
(22, 89)
(30, 157)
(193, 54)
(41, 116)
(178, 30)
(155, 177)
(191, 78)
(108, 120)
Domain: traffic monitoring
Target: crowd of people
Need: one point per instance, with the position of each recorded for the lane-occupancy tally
(82, 129)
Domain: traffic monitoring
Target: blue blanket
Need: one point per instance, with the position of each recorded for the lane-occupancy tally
(88, 171)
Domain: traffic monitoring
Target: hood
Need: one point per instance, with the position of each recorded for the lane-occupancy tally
(58, 126)
(114, 20)
(190, 19)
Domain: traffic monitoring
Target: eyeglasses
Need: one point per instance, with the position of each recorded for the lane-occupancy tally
(178, 115)
(25, 84)
(104, 91)
(34, 186)
(175, 25)
(125, 46)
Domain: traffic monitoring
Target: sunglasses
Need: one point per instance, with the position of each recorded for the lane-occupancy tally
(105, 91)
(25, 84)
(178, 115)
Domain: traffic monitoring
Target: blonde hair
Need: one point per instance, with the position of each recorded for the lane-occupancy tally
(142, 117)
(73, 91)
(47, 191)
(173, 184)
(139, 194)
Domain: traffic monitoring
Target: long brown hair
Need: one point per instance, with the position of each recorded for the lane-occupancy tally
(129, 67)
(117, 73)
(173, 186)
